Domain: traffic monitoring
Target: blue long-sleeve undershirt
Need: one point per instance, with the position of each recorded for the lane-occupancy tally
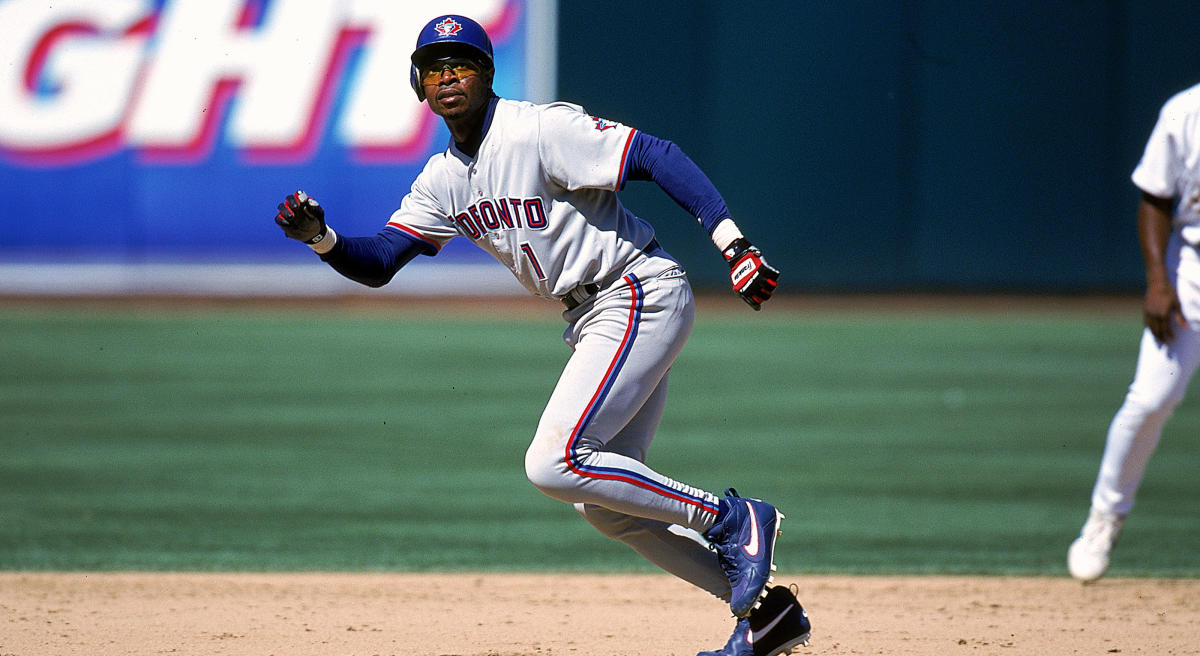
(651, 158)
(373, 261)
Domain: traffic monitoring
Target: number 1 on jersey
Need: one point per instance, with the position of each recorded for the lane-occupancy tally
(533, 261)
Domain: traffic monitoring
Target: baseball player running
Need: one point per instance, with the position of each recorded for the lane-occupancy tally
(536, 187)
(1168, 219)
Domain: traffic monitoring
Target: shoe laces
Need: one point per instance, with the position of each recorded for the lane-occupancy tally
(723, 541)
(1101, 529)
(721, 529)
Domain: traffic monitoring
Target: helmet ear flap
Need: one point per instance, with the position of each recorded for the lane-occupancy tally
(414, 80)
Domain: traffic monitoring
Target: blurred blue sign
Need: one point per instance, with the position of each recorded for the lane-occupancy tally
(168, 130)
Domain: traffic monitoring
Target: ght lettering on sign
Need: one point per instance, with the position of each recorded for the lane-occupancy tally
(87, 79)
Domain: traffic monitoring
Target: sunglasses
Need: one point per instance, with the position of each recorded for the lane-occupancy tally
(432, 72)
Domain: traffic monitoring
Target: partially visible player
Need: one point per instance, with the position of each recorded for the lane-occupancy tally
(1168, 219)
(536, 187)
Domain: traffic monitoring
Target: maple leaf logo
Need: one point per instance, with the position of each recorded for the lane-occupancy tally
(448, 27)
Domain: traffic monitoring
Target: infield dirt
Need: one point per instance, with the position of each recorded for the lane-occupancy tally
(612, 615)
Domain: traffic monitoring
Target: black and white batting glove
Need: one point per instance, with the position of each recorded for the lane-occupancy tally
(302, 218)
(753, 279)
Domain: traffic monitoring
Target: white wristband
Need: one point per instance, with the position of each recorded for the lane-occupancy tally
(326, 244)
(725, 233)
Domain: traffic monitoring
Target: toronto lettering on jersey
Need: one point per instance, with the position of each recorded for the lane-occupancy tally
(501, 214)
(162, 78)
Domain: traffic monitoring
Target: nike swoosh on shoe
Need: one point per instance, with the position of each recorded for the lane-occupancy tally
(755, 636)
(752, 548)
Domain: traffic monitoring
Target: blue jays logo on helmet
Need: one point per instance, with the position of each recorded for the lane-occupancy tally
(446, 30)
(448, 27)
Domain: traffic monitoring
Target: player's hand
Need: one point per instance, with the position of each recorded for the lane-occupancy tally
(1162, 313)
(302, 218)
(753, 279)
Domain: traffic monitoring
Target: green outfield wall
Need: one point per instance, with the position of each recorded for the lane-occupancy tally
(902, 144)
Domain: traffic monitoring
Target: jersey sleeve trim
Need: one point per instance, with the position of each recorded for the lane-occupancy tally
(625, 160)
(414, 234)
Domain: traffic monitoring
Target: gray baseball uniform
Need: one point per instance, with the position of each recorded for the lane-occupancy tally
(553, 218)
(536, 187)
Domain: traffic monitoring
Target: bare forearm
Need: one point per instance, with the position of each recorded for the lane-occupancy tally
(1161, 312)
(1154, 231)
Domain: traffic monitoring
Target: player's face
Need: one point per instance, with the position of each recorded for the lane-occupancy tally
(456, 88)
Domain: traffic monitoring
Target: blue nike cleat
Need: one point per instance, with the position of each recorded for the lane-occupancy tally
(775, 627)
(744, 539)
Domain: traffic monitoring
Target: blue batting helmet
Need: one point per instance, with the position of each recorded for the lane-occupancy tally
(443, 30)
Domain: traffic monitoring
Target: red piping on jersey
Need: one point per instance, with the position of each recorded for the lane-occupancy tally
(409, 231)
(624, 156)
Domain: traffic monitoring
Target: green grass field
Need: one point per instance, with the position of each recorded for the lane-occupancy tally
(943, 442)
